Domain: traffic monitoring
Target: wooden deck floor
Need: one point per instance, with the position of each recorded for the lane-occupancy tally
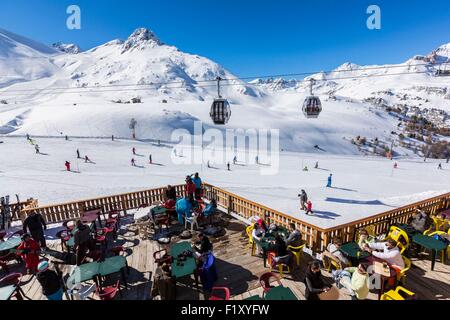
(237, 269)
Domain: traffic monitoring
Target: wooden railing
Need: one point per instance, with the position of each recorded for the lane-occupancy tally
(315, 237)
(318, 238)
(122, 202)
(17, 207)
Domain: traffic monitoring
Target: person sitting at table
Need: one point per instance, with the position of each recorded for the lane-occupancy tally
(387, 251)
(314, 281)
(210, 209)
(258, 234)
(295, 238)
(334, 250)
(280, 249)
(420, 221)
(29, 249)
(364, 238)
(355, 280)
(171, 193)
(262, 225)
(82, 241)
(207, 271)
(203, 245)
(50, 281)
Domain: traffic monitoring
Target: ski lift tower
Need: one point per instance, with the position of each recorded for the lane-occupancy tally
(133, 124)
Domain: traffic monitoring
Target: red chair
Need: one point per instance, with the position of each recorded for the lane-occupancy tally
(67, 227)
(216, 293)
(109, 293)
(264, 280)
(117, 250)
(162, 257)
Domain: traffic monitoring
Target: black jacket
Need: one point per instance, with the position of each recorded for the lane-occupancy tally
(314, 285)
(171, 193)
(34, 222)
(50, 282)
(205, 245)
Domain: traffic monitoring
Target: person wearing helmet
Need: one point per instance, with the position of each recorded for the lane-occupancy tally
(50, 281)
(29, 251)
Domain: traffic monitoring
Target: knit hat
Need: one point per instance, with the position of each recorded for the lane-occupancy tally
(43, 266)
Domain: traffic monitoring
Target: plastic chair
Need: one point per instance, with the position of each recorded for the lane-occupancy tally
(109, 293)
(192, 220)
(439, 233)
(14, 279)
(279, 265)
(223, 290)
(162, 257)
(264, 280)
(297, 252)
(398, 235)
(64, 236)
(399, 293)
(330, 262)
(401, 275)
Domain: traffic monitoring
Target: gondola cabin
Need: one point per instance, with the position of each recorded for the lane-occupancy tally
(220, 111)
(312, 107)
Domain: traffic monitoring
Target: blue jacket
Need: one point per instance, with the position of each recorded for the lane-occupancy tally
(183, 206)
(209, 210)
(197, 182)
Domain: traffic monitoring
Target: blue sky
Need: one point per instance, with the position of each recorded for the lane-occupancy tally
(248, 37)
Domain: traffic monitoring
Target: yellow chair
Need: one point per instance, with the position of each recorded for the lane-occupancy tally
(398, 294)
(401, 276)
(397, 234)
(443, 251)
(297, 252)
(249, 231)
(279, 265)
(435, 226)
(329, 261)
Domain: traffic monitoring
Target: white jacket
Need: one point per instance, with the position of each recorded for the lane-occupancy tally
(391, 256)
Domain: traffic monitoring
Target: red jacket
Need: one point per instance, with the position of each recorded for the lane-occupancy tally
(309, 205)
(190, 188)
(31, 258)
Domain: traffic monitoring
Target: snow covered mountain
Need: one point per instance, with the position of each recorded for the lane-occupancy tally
(22, 59)
(89, 94)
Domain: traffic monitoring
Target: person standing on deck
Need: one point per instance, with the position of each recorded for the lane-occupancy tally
(329, 181)
(82, 241)
(50, 281)
(189, 188)
(29, 251)
(36, 225)
(198, 185)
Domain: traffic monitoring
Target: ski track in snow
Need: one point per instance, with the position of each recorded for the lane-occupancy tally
(362, 186)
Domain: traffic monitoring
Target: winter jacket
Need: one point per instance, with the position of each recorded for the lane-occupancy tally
(294, 239)
(309, 206)
(34, 222)
(419, 221)
(359, 283)
(205, 245)
(171, 193)
(197, 182)
(50, 282)
(303, 197)
(314, 285)
(82, 236)
(190, 188)
(391, 256)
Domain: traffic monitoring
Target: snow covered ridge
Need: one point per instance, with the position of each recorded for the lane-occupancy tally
(47, 92)
(67, 48)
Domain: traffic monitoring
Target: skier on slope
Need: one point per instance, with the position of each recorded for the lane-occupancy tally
(133, 162)
(309, 208)
(228, 166)
(36, 147)
(316, 166)
(86, 159)
(150, 159)
(257, 160)
(67, 164)
(329, 181)
(303, 199)
(134, 150)
(395, 165)
(439, 166)
(78, 154)
(234, 159)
